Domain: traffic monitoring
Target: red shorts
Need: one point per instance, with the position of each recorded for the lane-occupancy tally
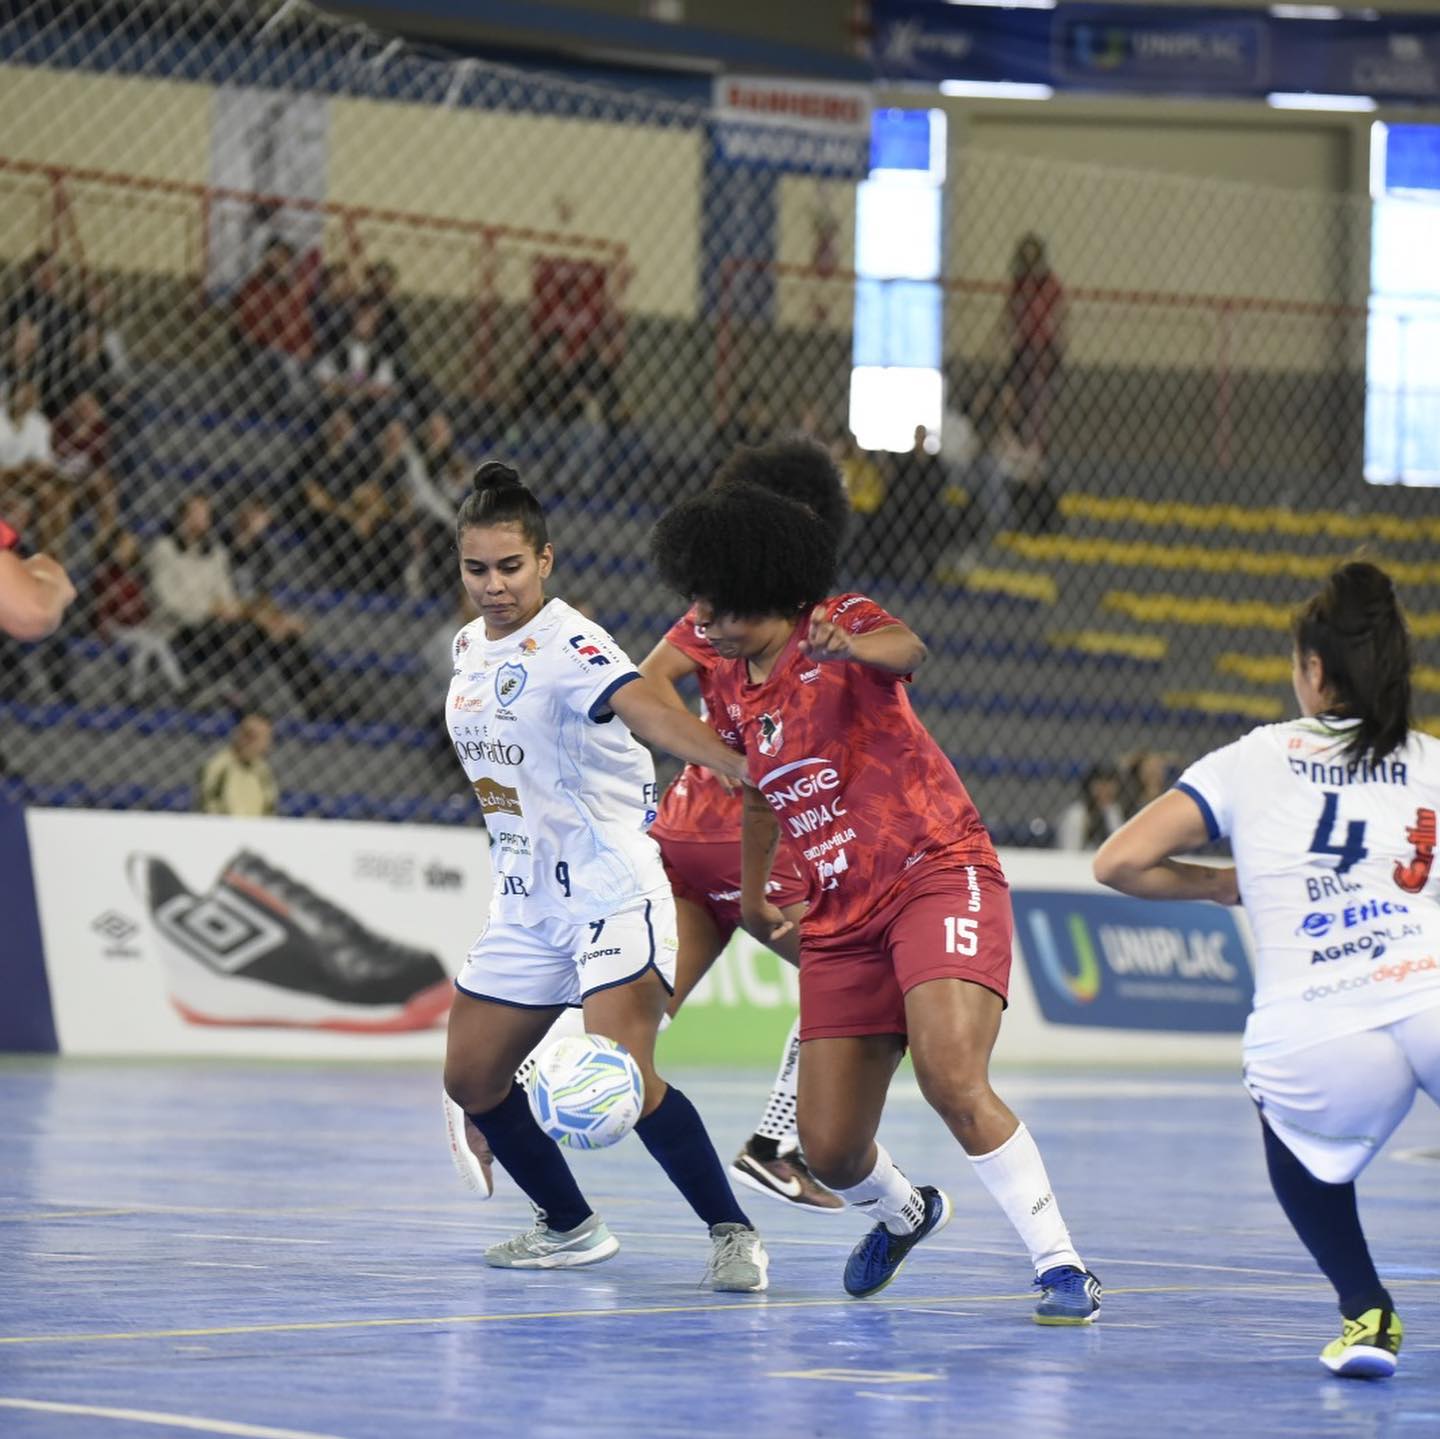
(953, 924)
(707, 873)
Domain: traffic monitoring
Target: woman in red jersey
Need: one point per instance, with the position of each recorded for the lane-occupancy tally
(698, 829)
(907, 941)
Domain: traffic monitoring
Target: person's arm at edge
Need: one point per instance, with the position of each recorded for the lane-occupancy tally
(644, 709)
(1137, 858)
(34, 594)
(665, 666)
(896, 648)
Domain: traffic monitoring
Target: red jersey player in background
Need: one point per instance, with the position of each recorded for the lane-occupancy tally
(908, 939)
(698, 829)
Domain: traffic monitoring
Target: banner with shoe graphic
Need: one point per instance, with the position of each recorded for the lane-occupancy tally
(291, 938)
(193, 934)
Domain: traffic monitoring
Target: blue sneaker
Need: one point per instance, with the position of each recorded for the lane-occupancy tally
(876, 1260)
(1067, 1296)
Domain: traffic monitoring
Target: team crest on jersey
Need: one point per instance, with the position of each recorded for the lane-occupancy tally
(509, 682)
(772, 734)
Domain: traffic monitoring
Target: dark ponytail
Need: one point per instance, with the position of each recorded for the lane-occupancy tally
(1356, 627)
(498, 497)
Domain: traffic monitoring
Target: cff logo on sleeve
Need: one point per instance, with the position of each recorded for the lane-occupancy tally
(590, 653)
(1126, 963)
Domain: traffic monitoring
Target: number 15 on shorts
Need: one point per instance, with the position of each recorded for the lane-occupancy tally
(961, 936)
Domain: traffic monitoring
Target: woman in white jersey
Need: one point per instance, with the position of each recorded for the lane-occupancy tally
(1331, 819)
(543, 709)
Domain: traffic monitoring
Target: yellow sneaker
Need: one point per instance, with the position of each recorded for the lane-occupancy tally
(1368, 1348)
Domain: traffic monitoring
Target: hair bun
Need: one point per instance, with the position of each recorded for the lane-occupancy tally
(493, 475)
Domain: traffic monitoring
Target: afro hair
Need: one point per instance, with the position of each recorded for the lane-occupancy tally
(800, 470)
(745, 550)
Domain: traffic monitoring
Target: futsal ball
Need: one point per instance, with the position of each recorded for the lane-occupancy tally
(586, 1091)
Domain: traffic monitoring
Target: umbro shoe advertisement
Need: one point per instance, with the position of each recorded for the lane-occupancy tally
(191, 934)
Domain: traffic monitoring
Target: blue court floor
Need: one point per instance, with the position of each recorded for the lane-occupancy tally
(282, 1250)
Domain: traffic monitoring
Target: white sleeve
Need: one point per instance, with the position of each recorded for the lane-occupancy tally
(590, 669)
(1215, 783)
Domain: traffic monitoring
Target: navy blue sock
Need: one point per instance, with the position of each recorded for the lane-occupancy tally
(1328, 1223)
(675, 1135)
(533, 1160)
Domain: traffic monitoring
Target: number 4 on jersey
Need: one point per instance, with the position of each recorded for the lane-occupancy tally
(1353, 850)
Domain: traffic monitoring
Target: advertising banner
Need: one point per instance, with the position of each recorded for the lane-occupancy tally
(1105, 959)
(1143, 49)
(197, 934)
(169, 934)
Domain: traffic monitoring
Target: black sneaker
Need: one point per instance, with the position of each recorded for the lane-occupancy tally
(876, 1260)
(262, 948)
(785, 1177)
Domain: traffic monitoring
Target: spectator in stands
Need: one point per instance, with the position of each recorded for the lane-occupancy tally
(1095, 815)
(27, 462)
(379, 293)
(22, 356)
(41, 301)
(272, 330)
(277, 636)
(123, 618)
(357, 372)
(81, 442)
(238, 780)
(326, 474)
(913, 523)
(1021, 470)
(1034, 326)
(1145, 776)
(438, 479)
(331, 307)
(195, 604)
(865, 485)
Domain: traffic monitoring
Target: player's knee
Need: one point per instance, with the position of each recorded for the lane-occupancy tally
(956, 1096)
(477, 1093)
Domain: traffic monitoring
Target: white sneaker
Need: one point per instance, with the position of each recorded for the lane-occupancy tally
(544, 1248)
(739, 1263)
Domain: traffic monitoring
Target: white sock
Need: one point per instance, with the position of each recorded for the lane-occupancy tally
(887, 1195)
(778, 1121)
(1015, 1176)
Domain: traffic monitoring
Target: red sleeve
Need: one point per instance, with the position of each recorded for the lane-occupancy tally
(859, 614)
(683, 636)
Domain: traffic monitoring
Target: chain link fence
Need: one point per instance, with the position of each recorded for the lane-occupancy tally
(274, 285)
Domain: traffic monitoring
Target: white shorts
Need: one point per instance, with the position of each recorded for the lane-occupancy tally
(551, 961)
(1336, 1103)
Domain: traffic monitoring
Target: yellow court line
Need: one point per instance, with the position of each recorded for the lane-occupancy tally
(1269, 519)
(161, 1420)
(310, 1326)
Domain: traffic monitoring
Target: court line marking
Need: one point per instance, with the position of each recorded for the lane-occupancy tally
(637, 1311)
(165, 1421)
(251, 1238)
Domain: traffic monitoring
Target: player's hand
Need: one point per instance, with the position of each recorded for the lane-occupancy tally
(51, 570)
(730, 786)
(826, 641)
(765, 922)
